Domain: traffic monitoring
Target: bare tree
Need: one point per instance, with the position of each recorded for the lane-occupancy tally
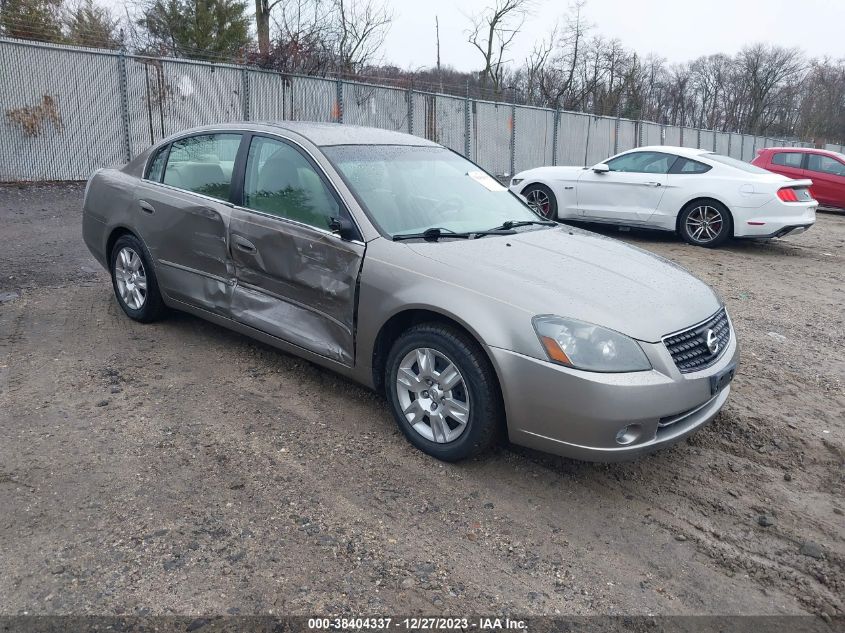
(492, 32)
(358, 31)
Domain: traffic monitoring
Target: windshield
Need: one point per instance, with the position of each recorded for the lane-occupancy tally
(407, 189)
(733, 162)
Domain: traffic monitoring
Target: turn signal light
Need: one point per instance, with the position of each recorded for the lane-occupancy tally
(787, 195)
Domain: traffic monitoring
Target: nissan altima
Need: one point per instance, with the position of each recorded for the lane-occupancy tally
(398, 263)
(705, 197)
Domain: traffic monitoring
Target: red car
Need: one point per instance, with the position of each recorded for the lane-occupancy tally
(826, 170)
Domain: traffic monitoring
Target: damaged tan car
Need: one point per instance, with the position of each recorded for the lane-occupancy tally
(404, 266)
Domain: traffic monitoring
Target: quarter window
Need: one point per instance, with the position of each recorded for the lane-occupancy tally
(643, 162)
(825, 165)
(788, 159)
(203, 164)
(280, 181)
(688, 166)
(157, 165)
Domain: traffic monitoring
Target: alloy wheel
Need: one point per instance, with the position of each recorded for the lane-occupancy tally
(433, 395)
(131, 278)
(704, 223)
(539, 201)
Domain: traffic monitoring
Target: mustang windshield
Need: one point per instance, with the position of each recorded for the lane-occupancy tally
(407, 189)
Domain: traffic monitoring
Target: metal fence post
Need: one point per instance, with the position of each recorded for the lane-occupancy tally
(467, 124)
(616, 135)
(339, 98)
(245, 94)
(124, 104)
(555, 133)
(410, 97)
(698, 138)
(513, 139)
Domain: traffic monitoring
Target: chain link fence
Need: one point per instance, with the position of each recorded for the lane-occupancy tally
(67, 111)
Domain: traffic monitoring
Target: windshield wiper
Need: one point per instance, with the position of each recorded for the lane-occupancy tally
(512, 224)
(431, 235)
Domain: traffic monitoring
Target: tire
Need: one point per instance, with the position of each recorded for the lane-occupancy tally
(706, 223)
(472, 396)
(542, 200)
(134, 281)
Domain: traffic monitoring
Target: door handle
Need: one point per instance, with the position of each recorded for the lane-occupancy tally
(146, 207)
(243, 244)
(652, 184)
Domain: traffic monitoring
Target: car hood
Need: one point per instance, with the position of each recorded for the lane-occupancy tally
(551, 173)
(578, 274)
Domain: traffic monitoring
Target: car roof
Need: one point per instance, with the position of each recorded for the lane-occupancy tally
(803, 150)
(687, 152)
(323, 134)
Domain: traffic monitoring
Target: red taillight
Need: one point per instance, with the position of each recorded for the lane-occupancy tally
(787, 195)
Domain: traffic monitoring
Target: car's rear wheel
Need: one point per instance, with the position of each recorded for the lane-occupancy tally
(542, 200)
(134, 280)
(443, 392)
(705, 223)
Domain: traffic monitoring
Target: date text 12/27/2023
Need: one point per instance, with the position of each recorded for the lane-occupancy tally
(416, 624)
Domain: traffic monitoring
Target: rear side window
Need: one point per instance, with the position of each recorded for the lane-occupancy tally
(825, 165)
(788, 159)
(643, 162)
(688, 166)
(280, 181)
(736, 164)
(203, 164)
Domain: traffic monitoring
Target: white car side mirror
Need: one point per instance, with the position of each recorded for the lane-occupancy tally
(601, 168)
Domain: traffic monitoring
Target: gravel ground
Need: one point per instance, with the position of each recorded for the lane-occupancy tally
(181, 468)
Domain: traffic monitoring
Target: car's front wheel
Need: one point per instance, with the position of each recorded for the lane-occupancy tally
(542, 200)
(443, 392)
(705, 223)
(134, 280)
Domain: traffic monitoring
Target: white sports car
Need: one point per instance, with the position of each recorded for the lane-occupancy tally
(706, 197)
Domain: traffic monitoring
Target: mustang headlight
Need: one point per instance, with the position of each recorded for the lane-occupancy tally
(590, 347)
(516, 181)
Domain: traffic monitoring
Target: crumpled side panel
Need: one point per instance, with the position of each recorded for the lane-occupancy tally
(299, 283)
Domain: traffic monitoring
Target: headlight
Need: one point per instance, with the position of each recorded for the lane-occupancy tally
(516, 181)
(590, 347)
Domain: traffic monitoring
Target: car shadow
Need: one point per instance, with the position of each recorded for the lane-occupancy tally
(643, 237)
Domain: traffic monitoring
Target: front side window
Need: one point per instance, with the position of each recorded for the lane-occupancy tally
(203, 164)
(280, 181)
(408, 189)
(825, 165)
(643, 162)
(788, 159)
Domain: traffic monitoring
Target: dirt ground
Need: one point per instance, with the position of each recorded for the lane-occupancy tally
(181, 468)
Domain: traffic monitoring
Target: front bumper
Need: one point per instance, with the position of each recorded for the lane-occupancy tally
(579, 414)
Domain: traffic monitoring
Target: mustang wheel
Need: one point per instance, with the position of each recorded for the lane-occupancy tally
(134, 280)
(542, 200)
(705, 223)
(443, 392)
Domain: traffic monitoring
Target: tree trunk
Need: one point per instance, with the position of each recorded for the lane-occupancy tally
(262, 26)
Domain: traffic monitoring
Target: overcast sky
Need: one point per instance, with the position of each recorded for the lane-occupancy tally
(678, 30)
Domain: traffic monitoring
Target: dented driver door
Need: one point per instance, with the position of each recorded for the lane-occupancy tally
(296, 283)
(295, 279)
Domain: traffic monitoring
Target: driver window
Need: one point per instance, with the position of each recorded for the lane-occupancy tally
(825, 165)
(280, 181)
(643, 162)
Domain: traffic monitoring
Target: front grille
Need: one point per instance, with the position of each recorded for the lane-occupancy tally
(689, 348)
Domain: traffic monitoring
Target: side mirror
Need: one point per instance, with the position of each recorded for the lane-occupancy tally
(601, 168)
(343, 228)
